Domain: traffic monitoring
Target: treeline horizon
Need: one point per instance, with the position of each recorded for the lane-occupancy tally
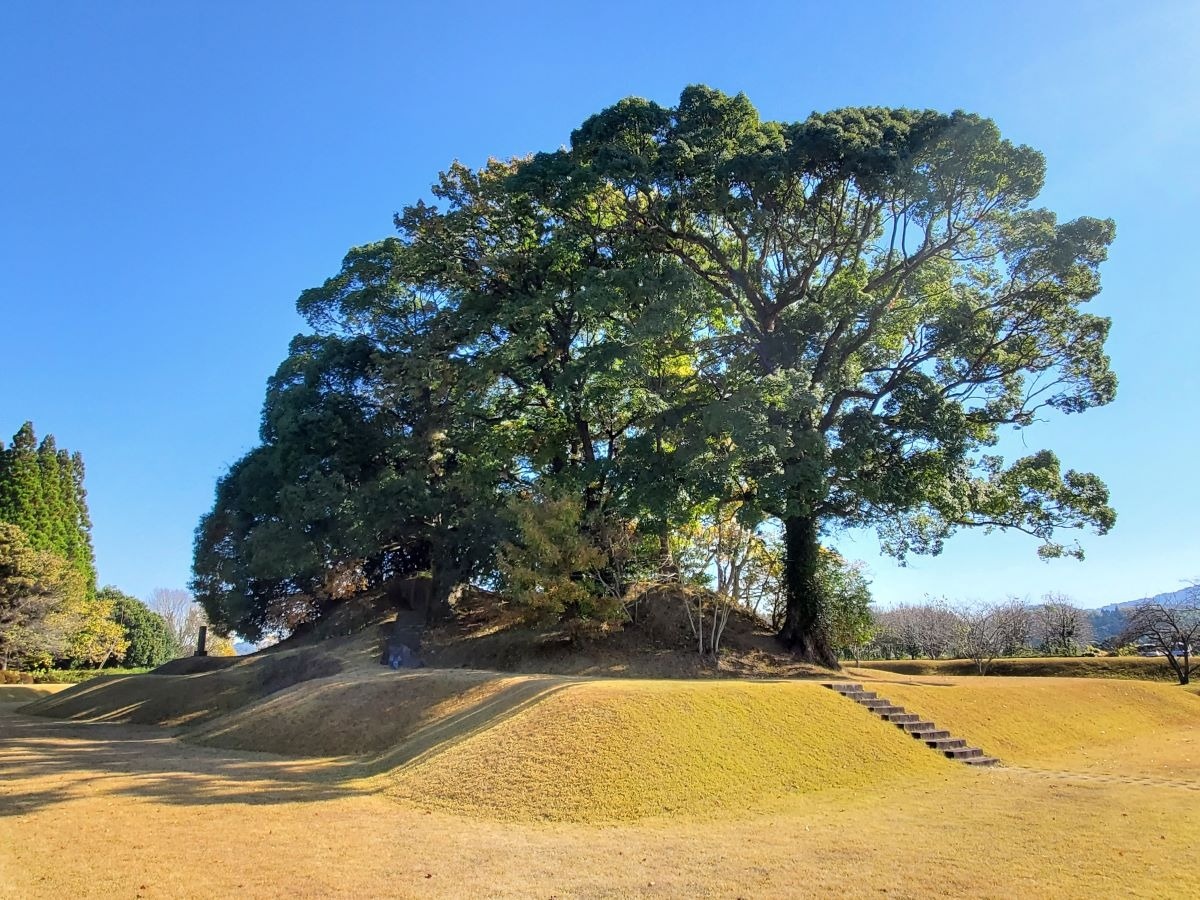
(52, 614)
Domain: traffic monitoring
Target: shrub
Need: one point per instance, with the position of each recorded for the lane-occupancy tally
(557, 568)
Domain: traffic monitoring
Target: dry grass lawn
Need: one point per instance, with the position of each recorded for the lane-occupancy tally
(527, 787)
(1148, 668)
(1083, 725)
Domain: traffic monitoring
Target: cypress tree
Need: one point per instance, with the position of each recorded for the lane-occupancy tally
(42, 493)
(84, 558)
(54, 523)
(21, 487)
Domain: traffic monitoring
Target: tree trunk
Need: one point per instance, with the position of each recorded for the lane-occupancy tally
(803, 631)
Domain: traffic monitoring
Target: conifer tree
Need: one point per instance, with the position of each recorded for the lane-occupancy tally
(21, 487)
(42, 493)
(82, 556)
(54, 524)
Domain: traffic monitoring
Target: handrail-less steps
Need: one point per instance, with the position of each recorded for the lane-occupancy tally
(933, 737)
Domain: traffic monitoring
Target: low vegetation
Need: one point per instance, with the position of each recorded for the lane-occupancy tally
(1138, 667)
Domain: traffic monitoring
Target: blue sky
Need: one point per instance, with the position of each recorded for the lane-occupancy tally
(175, 174)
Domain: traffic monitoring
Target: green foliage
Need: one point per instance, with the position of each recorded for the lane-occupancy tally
(77, 676)
(150, 642)
(890, 298)
(554, 567)
(95, 637)
(820, 323)
(849, 623)
(42, 493)
(39, 596)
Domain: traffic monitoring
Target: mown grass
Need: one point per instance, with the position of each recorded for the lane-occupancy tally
(27, 693)
(271, 825)
(78, 676)
(1137, 667)
(610, 751)
(355, 714)
(177, 700)
(1086, 725)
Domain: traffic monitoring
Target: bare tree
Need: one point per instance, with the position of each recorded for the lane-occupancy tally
(989, 630)
(1061, 627)
(183, 616)
(1172, 629)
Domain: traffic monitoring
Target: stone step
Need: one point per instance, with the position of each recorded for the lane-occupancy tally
(872, 702)
(963, 752)
(946, 743)
(935, 738)
(843, 686)
(930, 734)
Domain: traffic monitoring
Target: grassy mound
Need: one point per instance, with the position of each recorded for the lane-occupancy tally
(192, 665)
(1082, 723)
(1143, 668)
(371, 713)
(25, 693)
(620, 750)
(176, 700)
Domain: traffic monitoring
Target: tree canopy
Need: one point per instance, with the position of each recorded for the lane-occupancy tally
(825, 323)
(42, 493)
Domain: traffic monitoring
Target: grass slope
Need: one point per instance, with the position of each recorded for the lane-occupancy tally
(177, 700)
(26, 693)
(619, 750)
(1090, 725)
(371, 713)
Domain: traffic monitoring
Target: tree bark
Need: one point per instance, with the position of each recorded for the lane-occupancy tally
(803, 631)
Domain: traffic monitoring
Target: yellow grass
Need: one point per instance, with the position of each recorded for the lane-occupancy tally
(1079, 724)
(363, 713)
(177, 700)
(621, 750)
(27, 693)
(479, 784)
(96, 810)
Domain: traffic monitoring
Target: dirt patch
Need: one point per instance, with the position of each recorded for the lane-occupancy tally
(487, 632)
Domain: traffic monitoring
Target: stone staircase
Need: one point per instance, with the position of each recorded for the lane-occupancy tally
(912, 724)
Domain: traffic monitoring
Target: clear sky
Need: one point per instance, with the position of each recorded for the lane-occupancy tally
(174, 174)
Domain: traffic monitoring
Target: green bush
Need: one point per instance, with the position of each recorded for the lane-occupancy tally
(75, 676)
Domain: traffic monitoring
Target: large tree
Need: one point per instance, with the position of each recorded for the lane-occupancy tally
(893, 301)
(42, 493)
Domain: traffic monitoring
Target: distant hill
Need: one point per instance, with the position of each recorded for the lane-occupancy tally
(1109, 621)
(1170, 598)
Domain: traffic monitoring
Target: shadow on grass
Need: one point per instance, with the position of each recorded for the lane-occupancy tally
(46, 762)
